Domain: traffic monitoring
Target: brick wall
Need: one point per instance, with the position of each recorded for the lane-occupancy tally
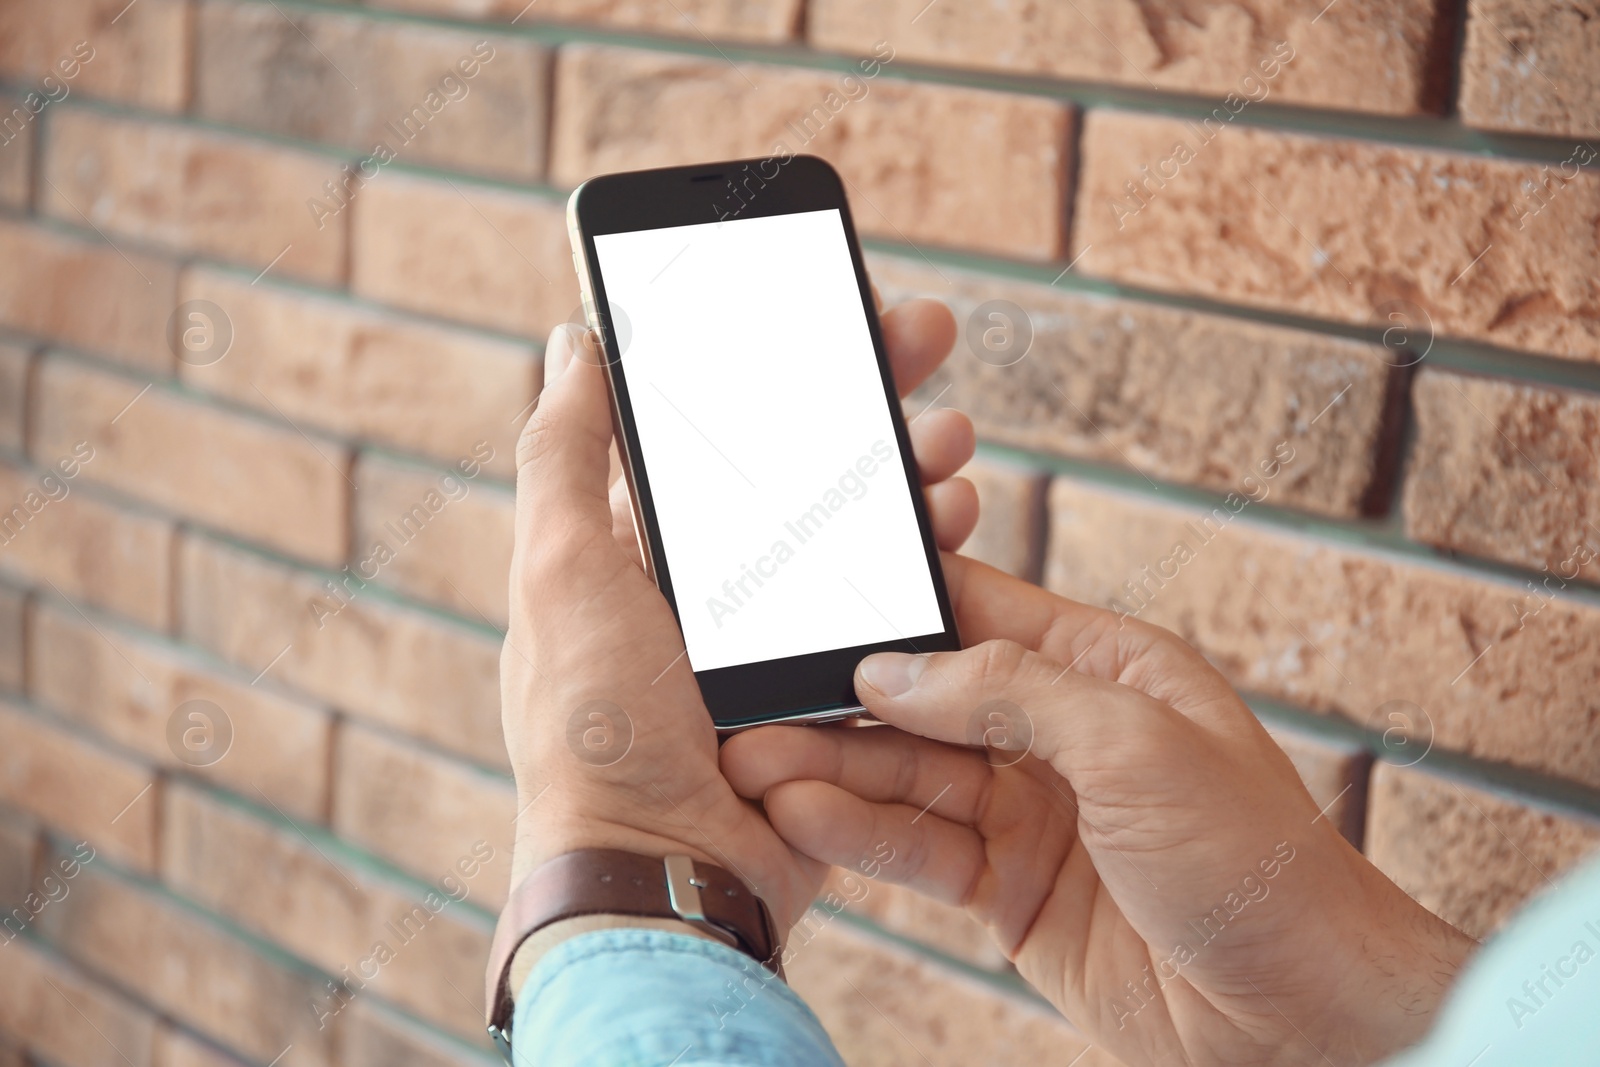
(1312, 301)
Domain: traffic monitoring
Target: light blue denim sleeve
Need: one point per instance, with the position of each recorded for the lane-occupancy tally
(1533, 994)
(648, 998)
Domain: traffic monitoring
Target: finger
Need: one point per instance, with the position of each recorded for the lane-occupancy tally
(877, 764)
(622, 520)
(621, 501)
(992, 605)
(943, 442)
(922, 851)
(953, 508)
(614, 457)
(562, 460)
(918, 335)
(1003, 696)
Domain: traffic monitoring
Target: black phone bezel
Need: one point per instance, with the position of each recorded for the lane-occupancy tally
(806, 686)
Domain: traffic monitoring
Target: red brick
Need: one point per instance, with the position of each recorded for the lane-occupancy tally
(13, 609)
(45, 276)
(1530, 67)
(179, 1048)
(140, 53)
(352, 80)
(131, 688)
(1010, 531)
(78, 787)
(883, 1006)
(1507, 470)
(619, 109)
(403, 668)
(47, 1003)
(17, 138)
(281, 886)
(1341, 229)
(421, 810)
(457, 553)
(1335, 774)
(92, 551)
(191, 190)
(1345, 630)
(1468, 855)
(19, 855)
(738, 20)
(189, 456)
(368, 374)
(1367, 55)
(463, 252)
(1179, 395)
(15, 360)
(190, 968)
(375, 1037)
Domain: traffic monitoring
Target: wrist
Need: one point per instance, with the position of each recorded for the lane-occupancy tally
(539, 840)
(599, 887)
(1403, 967)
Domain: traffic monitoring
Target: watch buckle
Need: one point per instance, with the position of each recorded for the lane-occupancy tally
(683, 888)
(502, 1043)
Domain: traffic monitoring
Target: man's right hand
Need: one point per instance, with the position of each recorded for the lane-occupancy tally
(1131, 835)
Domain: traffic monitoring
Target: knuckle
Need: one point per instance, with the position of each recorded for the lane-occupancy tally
(919, 851)
(904, 775)
(538, 438)
(1144, 638)
(566, 549)
(1167, 647)
(997, 661)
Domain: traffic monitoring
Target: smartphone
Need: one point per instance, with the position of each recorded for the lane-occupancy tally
(775, 497)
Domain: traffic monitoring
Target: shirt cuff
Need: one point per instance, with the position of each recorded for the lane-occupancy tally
(647, 998)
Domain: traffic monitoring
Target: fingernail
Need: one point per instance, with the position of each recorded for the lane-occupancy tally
(892, 673)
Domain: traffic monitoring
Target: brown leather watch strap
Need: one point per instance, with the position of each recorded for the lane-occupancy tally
(607, 881)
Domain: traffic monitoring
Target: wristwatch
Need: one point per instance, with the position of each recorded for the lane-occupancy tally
(608, 881)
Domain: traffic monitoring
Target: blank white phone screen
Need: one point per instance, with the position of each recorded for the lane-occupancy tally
(780, 495)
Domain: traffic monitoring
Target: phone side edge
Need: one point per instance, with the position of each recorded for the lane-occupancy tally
(584, 268)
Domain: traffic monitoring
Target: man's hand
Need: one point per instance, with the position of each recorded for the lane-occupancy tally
(609, 739)
(1129, 833)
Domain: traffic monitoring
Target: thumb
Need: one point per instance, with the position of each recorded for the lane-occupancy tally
(563, 454)
(1001, 696)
